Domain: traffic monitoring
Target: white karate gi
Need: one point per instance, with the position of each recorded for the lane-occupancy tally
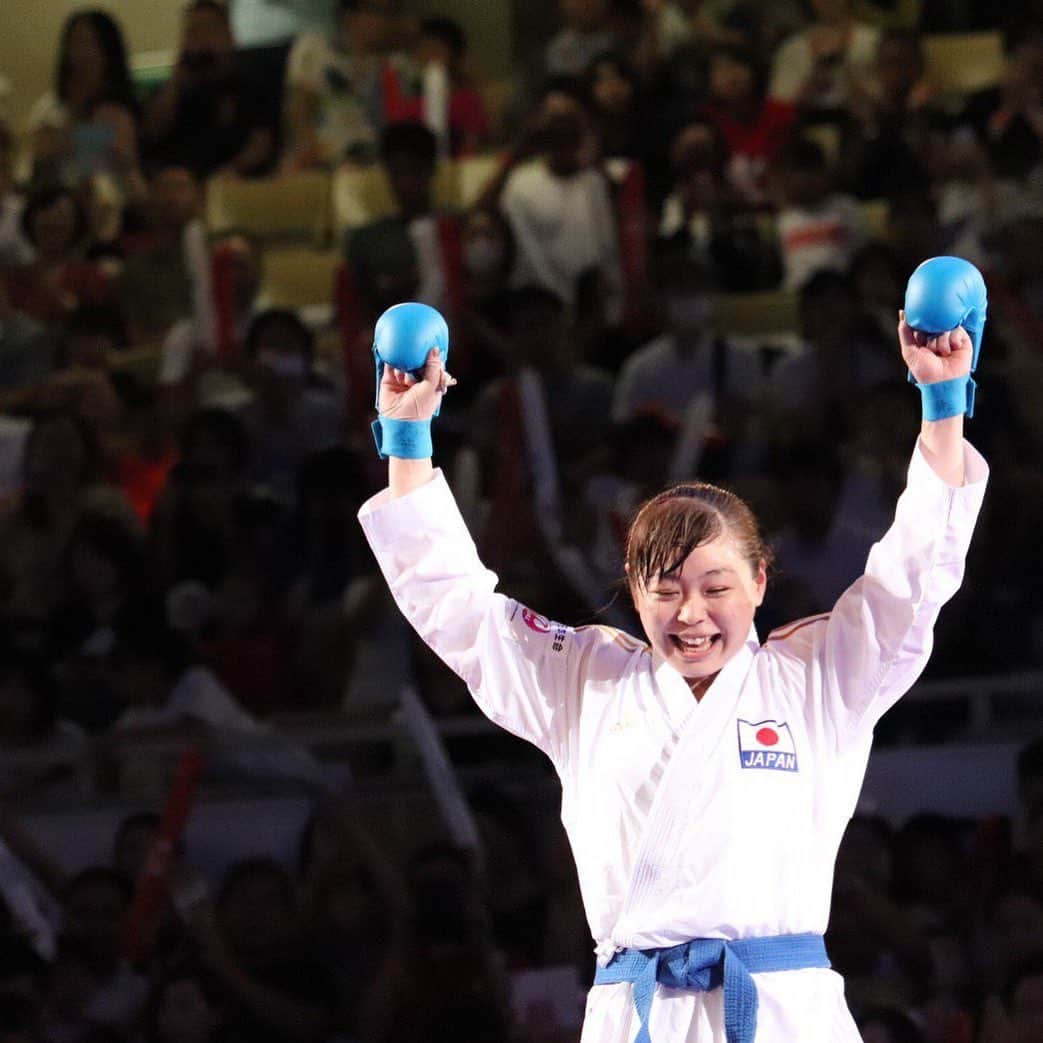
(688, 820)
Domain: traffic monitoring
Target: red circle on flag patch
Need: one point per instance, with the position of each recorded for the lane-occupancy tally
(767, 736)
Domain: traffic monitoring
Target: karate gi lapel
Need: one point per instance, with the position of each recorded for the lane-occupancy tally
(682, 784)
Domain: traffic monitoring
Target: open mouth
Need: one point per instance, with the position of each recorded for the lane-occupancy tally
(695, 647)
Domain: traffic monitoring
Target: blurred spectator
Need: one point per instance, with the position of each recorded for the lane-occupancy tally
(291, 414)
(667, 26)
(409, 153)
(815, 68)
(577, 397)
(1030, 775)
(156, 284)
(170, 696)
(838, 361)
(700, 214)
(1030, 799)
(878, 282)
(95, 902)
(642, 449)
(60, 479)
(28, 351)
(818, 226)
(337, 86)
(511, 846)
(586, 32)
(615, 97)
(58, 279)
(23, 977)
(355, 901)
(446, 99)
(252, 645)
(913, 227)
(332, 598)
(688, 360)
(83, 385)
(928, 865)
(29, 723)
(106, 582)
(837, 503)
(88, 123)
(448, 957)
(199, 352)
(885, 146)
(486, 262)
(755, 129)
(1023, 1017)
(14, 250)
(132, 843)
(193, 523)
(559, 206)
(252, 943)
(186, 1005)
(889, 1026)
(207, 117)
(1014, 930)
(146, 450)
(1009, 118)
(882, 956)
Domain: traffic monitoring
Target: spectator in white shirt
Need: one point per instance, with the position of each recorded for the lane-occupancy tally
(836, 364)
(14, 248)
(817, 226)
(690, 359)
(586, 33)
(335, 90)
(815, 68)
(559, 207)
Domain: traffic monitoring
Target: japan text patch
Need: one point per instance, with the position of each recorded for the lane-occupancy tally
(766, 744)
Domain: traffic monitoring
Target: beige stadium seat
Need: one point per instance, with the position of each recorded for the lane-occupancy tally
(757, 314)
(290, 207)
(827, 137)
(298, 277)
(473, 174)
(960, 63)
(875, 216)
(362, 195)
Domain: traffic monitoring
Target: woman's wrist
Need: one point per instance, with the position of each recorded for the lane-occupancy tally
(406, 475)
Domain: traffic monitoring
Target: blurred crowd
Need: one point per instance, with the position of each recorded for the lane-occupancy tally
(181, 463)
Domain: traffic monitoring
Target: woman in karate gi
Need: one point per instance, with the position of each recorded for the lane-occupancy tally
(707, 777)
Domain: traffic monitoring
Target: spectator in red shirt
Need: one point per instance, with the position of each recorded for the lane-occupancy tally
(442, 47)
(58, 280)
(755, 129)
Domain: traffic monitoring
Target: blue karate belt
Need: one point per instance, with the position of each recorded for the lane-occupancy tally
(708, 963)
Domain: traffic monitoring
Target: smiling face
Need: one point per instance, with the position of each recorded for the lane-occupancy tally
(697, 616)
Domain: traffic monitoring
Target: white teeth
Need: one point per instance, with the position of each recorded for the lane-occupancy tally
(695, 643)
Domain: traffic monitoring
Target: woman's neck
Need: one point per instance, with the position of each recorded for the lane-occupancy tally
(700, 685)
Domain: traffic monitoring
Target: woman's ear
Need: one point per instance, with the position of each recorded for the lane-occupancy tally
(761, 583)
(631, 586)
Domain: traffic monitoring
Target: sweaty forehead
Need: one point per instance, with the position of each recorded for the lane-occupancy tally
(713, 558)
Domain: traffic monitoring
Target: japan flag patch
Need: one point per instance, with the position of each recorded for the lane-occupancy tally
(766, 744)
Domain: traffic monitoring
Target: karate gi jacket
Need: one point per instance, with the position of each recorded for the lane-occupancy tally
(712, 819)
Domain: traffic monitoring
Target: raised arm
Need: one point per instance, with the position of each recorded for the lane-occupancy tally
(523, 671)
(865, 654)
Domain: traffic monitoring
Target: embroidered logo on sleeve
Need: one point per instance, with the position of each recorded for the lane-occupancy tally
(534, 621)
(539, 625)
(766, 744)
